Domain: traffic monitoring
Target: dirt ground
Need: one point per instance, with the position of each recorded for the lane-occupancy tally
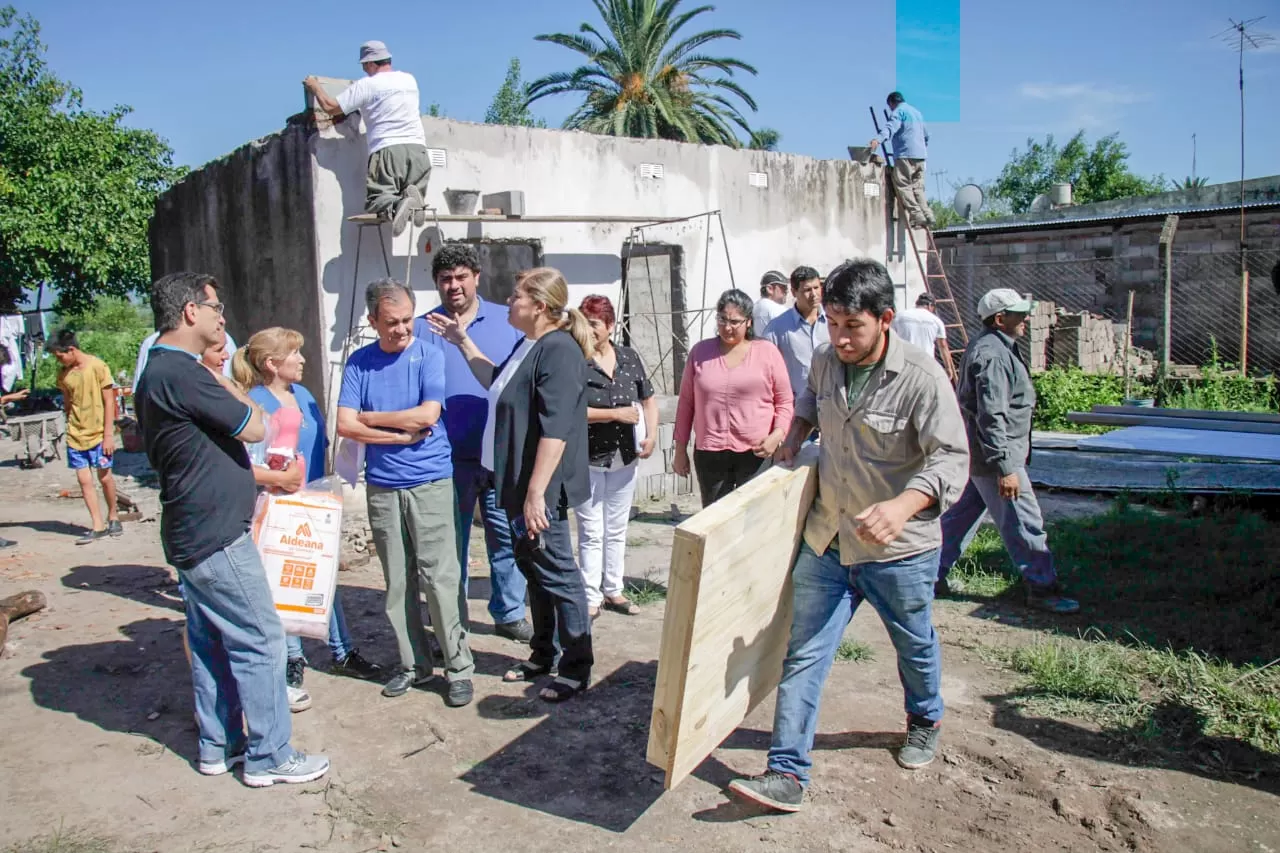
(98, 742)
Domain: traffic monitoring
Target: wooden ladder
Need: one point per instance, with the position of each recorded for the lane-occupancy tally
(937, 286)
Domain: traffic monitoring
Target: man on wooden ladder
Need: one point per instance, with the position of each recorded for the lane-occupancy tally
(906, 130)
(398, 163)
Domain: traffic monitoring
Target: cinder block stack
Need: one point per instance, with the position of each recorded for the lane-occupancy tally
(1084, 340)
(1039, 332)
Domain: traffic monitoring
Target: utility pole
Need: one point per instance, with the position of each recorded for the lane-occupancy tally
(1242, 38)
(1193, 159)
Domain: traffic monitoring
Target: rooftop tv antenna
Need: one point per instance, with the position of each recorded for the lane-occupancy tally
(1243, 35)
(968, 201)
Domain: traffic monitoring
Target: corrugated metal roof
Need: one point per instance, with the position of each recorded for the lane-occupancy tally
(1068, 221)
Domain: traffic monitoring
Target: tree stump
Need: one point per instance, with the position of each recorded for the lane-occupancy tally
(22, 604)
(17, 606)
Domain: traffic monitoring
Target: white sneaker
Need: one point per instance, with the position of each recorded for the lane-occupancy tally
(299, 699)
(219, 767)
(300, 768)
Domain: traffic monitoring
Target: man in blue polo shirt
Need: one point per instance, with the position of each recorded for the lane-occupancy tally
(798, 332)
(392, 399)
(456, 270)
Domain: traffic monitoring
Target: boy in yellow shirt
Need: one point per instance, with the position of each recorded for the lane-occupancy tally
(88, 395)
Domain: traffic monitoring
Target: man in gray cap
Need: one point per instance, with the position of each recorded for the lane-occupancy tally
(996, 400)
(772, 301)
(398, 161)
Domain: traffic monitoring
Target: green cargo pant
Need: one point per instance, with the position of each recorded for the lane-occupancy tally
(391, 169)
(413, 530)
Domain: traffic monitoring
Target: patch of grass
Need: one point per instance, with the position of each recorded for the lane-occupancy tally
(645, 592)
(984, 570)
(63, 841)
(852, 651)
(1073, 670)
(1180, 698)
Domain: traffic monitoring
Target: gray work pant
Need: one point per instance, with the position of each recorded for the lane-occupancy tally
(908, 180)
(413, 530)
(1019, 521)
(391, 170)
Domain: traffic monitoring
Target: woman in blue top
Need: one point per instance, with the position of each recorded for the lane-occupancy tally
(269, 368)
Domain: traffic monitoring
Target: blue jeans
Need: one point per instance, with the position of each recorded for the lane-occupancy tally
(237, 658)
(507, 586)
(558, 602)
(826, 595)
(1019, 522)
(340, 644)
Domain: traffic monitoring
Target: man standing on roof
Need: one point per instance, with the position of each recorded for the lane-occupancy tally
(398, 163)
(997, 399)
(906, 130)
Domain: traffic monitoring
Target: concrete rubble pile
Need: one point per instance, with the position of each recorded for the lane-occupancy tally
(1060, 338)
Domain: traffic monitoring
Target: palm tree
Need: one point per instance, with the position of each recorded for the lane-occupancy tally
(1192, 183)
(640, 81)
(764, 139)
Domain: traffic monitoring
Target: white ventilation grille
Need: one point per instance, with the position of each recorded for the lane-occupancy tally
(758, 179)
(651, 170)
(871, 190)
(439, 159)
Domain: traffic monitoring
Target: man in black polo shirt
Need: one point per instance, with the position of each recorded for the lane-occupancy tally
(193, 424)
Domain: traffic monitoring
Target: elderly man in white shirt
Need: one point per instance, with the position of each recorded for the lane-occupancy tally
(398, 162)
(772, 301)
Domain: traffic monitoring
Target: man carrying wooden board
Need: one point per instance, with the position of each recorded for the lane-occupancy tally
(893, 457)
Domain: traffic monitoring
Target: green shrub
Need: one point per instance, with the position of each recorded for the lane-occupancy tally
(1219, 390)
(1062, 390)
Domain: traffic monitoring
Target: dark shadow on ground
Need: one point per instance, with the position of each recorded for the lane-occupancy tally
(117, 685)
(153, 586)
(61, 528)
(1218, 758)
(585, 761)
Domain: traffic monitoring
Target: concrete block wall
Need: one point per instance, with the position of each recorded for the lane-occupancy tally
(1093, 266)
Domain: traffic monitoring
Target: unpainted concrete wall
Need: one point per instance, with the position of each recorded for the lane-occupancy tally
(247, 219)
(1093, 266)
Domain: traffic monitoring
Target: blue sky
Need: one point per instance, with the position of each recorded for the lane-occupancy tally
(211, 76)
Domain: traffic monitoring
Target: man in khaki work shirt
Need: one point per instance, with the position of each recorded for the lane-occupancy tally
(893, 457)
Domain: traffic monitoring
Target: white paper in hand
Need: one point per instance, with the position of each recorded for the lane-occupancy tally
(348, 462)
(639, 427)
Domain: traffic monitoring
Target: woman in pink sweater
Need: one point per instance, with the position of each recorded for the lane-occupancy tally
(736, 398)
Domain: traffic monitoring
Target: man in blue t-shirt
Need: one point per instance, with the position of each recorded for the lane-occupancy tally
(456, 270)
(392, 399)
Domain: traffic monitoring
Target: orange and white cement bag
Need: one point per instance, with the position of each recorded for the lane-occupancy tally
(299, 536)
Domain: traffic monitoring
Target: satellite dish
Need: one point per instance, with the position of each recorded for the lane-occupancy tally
(1041, 203)
(968, 201)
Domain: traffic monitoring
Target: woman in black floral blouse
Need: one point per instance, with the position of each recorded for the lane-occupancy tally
(620, 409)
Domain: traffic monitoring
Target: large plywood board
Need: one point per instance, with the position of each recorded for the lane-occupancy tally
(728, 615)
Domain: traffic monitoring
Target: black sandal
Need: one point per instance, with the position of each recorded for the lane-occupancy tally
(526, 671)
(562, 689)
(626, 606)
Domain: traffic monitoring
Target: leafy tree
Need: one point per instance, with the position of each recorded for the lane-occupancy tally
(434, 111)
(642, 80)
(509, 104)
(1099, 173)
(764, 139)
(77, 187)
